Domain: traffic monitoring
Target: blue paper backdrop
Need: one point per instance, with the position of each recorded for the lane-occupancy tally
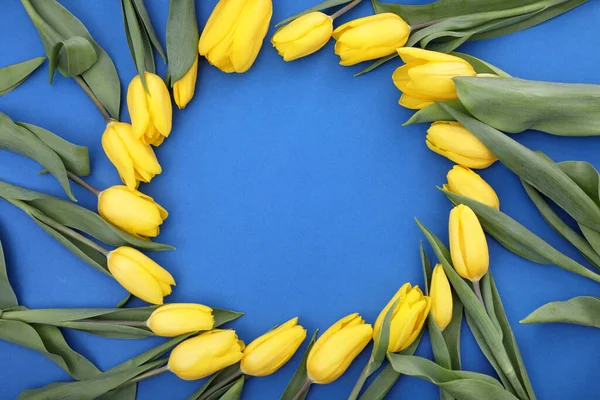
(292, 191)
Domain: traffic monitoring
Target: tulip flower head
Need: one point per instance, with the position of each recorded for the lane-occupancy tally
(205, 354)
(177, 319)
(266, 354)
(150, 112)
(234, 33)
(303, 36)
(134, 160)
(428, 76)
(465, 182)
(370, 37)
(408, 317)
(335, 350)
(131, 210)
(453, 141)
(140, 275)
(468, 246)
(183, 89)
(441, 298)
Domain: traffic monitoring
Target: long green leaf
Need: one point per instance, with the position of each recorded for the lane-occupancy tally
(300, 376)
(13, 75)
(217, 379)
(377, 63)
(452, 333)
(518, 239)
(48, 341)
(8, 298)
(22, 141)
(434, 112)
(542, 174)
(54, 24)
(75, 158)
(79, 56)
(584, 310)
(182, 38)
(135, 39)
(319, 7)
(235, 391)
(516, 105)
(463, 385)
(144, 18)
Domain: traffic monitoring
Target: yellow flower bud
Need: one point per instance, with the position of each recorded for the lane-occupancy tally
(134, 160)
(140, 275)
(303, 36)
(335, 350)
(468, 246)
(408, 317)
(151, 113)
(183, 89)
(271, 351)
(205, 354)
(131, 210)
(234, 33)
(453, 141)
(176, 319)
(427, 76)
(370, 37)
(465, 182)
(441, 297)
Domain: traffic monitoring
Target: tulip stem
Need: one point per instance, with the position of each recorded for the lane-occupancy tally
(477, 289)
(360, 382)
(345, 9)
(148, 374)
(93, 97)
(115, 322)
(82, 183)
(221, 385)
(303, 389)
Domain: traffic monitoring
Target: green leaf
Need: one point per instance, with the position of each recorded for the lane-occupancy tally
(385, 381)
(377, 63)
(54, 24)
(22, 141)
(518, 239)
(123, 302)
(489, 332)
(319, 7)
(75, 158)
(515, 105)
(146, 23)
(235, 391)
(463, 385)
(90, 388)
(561, 227)
(434, 112)
(8, 298)
(15, 74)
(584, 310)
(48, 341)
(542, 174)
(217, 379)
(452, 333)
(182, 38)
(79, 56)
(128, 392)
(135, 39)
(77, 217)
(224, 316)
(300, 376)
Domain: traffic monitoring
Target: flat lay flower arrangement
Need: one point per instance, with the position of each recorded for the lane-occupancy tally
(472, 110)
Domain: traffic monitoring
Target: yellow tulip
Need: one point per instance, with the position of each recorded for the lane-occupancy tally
(408, 317)
(134, 160)
(183, 89)
(205, 354)
(234, 33)
(176, 319)
(335, 350)
(463, 181)
(427, 76)
(468, 246)
(131, 210)
(303, 36)
(453, 141)
(140, 275)
(441, 297)
(271, 351)
(151, 113)
(370, 37)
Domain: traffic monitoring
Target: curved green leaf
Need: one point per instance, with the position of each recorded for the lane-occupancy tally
(300, 376)
(8, 298)
(182, 38)
(235, 391)
(144, 18)
(79, 55)
(584, 310)
(13, 75)
(434, 112)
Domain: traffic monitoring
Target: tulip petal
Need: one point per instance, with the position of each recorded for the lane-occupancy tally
(176, 319)
(136, 104)
(148, 264)
(272, 354)
(441, 297)
(183, 89)
(349, 320)
(414, 103)
(360, 21)
(159, 104)
(468, 183)
(117, 154)
(220, 24)
(410, 54)
(144, 158)
(250, 31)
(134, 278)
(399, 295)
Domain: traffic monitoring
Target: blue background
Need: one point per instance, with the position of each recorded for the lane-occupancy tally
(292, 190)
